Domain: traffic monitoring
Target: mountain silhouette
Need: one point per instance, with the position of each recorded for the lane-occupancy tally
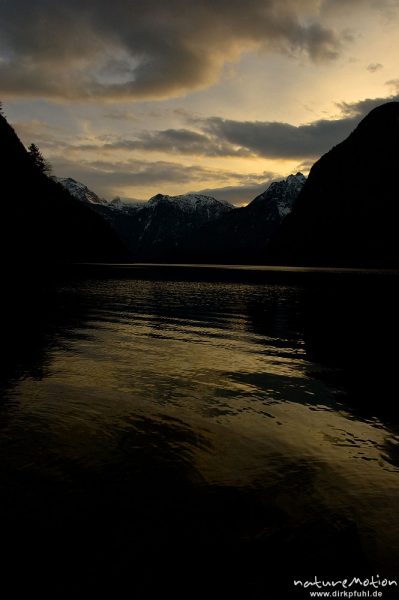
(348, 210)
(41, 221)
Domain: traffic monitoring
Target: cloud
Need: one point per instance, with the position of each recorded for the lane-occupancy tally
(212, 137)
(215, 137)
(108, 178)
(35, 130)
(135, 49)
(374, 67)
(242, 139)
(179, 141)
(387, 7)
(277, 140)
(393, 84)
(120, 115)
(240, 195)
(361, 108)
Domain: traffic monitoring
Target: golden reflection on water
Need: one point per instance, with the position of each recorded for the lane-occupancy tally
(189, 355)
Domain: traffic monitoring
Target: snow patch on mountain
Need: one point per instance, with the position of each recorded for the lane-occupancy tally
(191, 203)
(125, 206)
(282, 194)
(80, 191)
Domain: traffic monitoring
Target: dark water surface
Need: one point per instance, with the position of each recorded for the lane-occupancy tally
(205, 433)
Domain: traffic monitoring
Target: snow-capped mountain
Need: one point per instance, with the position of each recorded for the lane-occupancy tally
(243, 234)
(188, 203)
(193, 203)
(125, 205)
(155, 232)
(195, 226)
(282, 194)
(152, 230)
(80, 191)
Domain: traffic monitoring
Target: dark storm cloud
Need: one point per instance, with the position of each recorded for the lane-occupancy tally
(131, 48)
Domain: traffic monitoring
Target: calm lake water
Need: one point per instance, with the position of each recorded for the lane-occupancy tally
(205, 432)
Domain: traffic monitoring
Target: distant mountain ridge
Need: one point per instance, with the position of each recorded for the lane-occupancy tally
(81, 192)
(196, 227)
(193, 202)
(155, 230)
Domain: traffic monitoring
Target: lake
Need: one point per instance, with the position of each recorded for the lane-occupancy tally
(205, 432)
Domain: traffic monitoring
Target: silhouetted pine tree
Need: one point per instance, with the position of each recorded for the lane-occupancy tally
(38, 159)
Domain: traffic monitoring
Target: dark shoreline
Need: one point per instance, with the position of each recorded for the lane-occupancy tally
(256, 274)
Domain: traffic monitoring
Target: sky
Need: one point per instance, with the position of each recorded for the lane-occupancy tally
(136, 98)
